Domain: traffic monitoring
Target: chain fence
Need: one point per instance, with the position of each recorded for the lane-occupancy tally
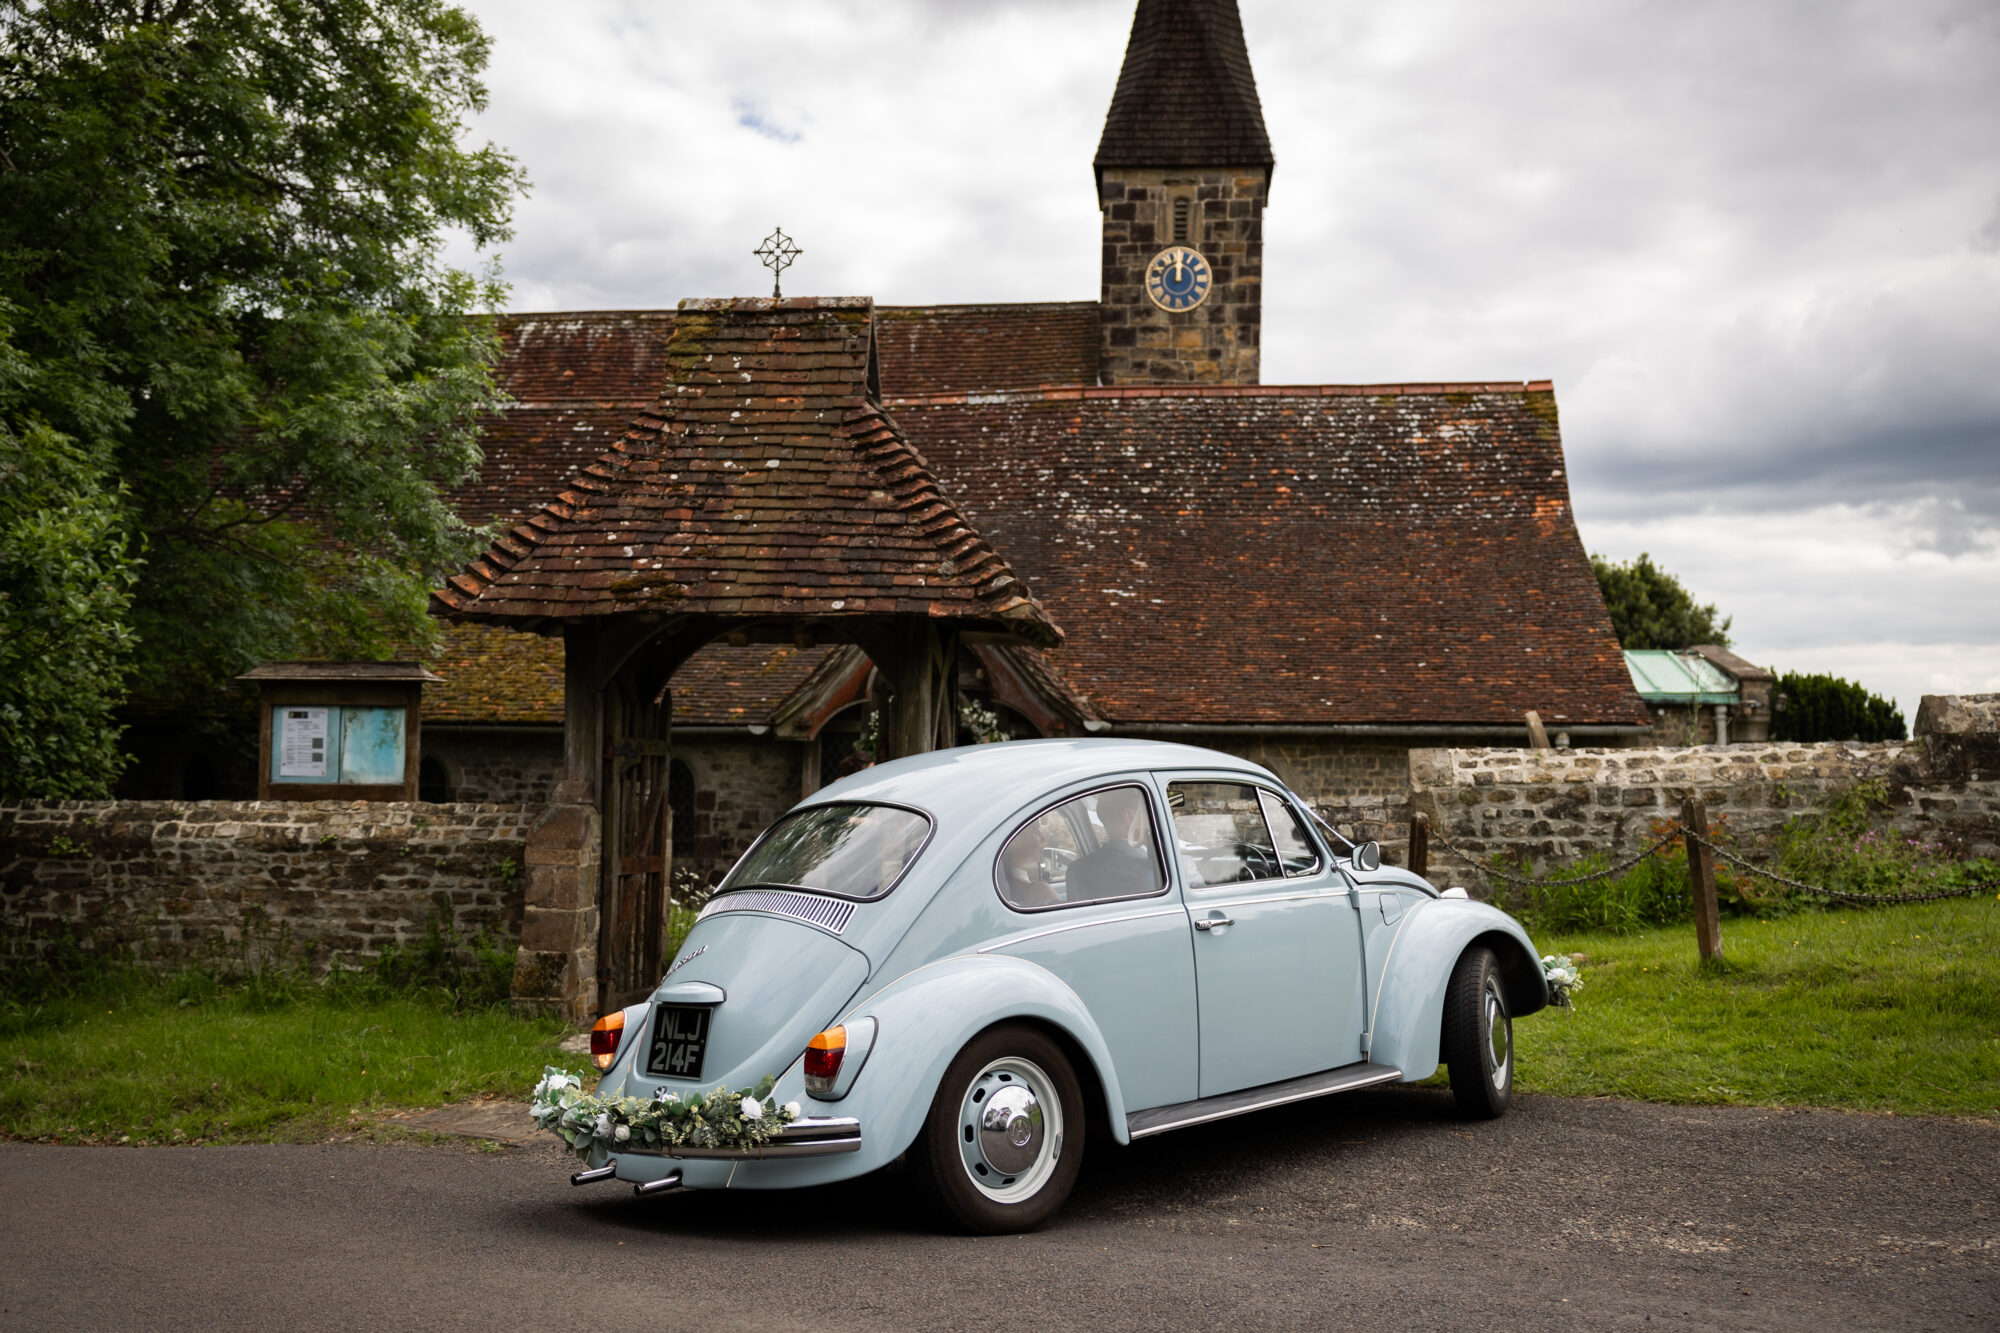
(1679, 830)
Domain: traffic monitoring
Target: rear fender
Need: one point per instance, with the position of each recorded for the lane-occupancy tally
(926, 1017)
(1409, 1003)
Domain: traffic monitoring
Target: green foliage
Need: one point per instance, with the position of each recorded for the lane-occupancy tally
(1656, 892)
(1885, 1011)
(221, 235)
(1845, 845)
(1650, 609)
(1827, 708)
(243, 1043)
(67, 569)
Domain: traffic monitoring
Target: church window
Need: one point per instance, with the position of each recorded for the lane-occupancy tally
(1182, 207)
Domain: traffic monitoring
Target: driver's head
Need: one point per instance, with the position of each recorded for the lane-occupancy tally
(1121, 810)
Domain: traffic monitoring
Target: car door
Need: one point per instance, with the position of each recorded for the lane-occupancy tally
(1095, 906)
(1276, 945)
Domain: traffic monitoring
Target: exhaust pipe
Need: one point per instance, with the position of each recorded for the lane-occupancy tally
(670, 1181)
(593, 1176)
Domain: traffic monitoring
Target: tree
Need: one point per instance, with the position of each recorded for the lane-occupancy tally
(1650, 609)
(222, 226)
(66, 575)
(1827, 708)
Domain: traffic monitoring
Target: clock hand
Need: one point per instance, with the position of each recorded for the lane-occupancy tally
(1179, 264)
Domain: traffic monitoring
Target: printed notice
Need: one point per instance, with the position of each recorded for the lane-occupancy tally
(302, 742)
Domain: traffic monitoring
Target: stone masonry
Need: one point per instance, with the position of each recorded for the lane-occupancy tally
(1217, 342)
(1550, 806)
(342, 879)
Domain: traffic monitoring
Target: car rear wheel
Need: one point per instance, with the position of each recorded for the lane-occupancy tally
(1004, 1139)
(1478, 1037)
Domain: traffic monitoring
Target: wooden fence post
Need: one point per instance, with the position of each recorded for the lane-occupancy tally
(1420, 844)
(1701, 877)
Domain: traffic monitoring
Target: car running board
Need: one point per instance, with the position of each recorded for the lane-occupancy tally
(1347, 1078)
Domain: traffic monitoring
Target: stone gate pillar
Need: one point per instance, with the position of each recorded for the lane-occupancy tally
(555, 970)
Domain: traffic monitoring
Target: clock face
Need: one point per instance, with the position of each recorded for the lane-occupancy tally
(1178, 278)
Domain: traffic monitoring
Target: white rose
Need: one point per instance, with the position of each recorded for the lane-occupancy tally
(603, 1125)
(792, 1110)
(752, 1109)
(621, 1134)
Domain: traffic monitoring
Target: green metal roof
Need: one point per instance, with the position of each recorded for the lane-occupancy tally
(1665, 677)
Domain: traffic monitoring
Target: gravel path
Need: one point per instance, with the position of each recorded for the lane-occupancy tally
(1377, 1210)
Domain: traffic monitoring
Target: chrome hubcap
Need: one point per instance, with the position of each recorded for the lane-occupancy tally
(1010, 1129)
(1499, 1034)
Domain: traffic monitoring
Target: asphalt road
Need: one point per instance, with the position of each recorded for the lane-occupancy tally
(1377, 1210)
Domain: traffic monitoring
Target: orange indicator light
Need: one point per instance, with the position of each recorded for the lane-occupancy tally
(604, 1034)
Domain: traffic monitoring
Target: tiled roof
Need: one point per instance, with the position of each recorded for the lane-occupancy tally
(577, 379)
(765, 482)
(947, 348)
(1328, 554)
(1185, 95)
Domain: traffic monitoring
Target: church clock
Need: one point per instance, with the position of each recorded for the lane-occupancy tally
(1178, 278)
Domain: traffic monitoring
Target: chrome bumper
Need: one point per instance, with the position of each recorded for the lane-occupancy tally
(813, 1136)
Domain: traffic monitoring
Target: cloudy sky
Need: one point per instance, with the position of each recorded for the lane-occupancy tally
(1755, 244)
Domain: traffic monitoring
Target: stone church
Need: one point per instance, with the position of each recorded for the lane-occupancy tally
(1319, 577)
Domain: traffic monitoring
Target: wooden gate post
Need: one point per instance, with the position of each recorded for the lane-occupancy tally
(1420, 843)
(1701, 877)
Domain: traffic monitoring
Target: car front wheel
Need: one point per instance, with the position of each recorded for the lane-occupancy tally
(1004, 1139)
(1478, 1037)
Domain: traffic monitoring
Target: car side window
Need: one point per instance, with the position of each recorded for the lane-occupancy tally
(1093, 848)
(1219, 833)
(1288, 834)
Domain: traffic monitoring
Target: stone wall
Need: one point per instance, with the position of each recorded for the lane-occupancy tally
(498, 765)
(1553, 805)
(740, 787)
(347, 878)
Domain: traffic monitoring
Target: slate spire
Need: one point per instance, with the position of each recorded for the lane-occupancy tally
(1186, 96)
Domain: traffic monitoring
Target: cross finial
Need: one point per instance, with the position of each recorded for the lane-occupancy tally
(777, 252)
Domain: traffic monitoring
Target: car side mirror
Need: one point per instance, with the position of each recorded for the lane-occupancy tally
(1368, 856)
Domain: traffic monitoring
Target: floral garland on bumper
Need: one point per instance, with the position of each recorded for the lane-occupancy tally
(715, 1119)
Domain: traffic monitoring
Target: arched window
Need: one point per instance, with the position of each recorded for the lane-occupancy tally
(433, 781)
(680, 800)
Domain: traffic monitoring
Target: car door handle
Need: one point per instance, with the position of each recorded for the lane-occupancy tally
(1210, 923)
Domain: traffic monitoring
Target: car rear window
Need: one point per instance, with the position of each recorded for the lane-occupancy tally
(854, 850)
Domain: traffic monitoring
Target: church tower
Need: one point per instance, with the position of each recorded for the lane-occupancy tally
(1183, 171)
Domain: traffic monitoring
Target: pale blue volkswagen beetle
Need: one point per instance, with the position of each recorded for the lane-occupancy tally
(984, 958)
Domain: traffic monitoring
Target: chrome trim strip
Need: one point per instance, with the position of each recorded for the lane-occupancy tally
(1079, 925)
(1203, 904)
(829, 914)
(1160, 1119)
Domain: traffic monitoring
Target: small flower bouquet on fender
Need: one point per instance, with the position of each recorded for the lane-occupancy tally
(744, 1119)
(1565, 980)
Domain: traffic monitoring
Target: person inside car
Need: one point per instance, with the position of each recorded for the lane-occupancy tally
(1124, 865)
(1027, 885)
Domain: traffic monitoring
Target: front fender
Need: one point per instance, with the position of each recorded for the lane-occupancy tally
(1409, 1001)
(926, 1018)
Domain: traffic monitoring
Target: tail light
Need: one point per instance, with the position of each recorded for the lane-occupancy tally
(823, 1056)
(604, 1035)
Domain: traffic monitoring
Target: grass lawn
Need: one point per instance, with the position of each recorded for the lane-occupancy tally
(1890, 1009)
(244, 1065)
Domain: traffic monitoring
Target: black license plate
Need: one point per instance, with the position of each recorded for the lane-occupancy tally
(680, 1039)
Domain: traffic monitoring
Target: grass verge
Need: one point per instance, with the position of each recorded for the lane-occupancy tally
(96, 1053)
(1891, 1009)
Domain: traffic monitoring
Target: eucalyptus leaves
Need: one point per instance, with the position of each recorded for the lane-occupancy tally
(1565, 979)
(714, 1119)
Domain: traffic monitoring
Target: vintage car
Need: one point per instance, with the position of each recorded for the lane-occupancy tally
(982, 959)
